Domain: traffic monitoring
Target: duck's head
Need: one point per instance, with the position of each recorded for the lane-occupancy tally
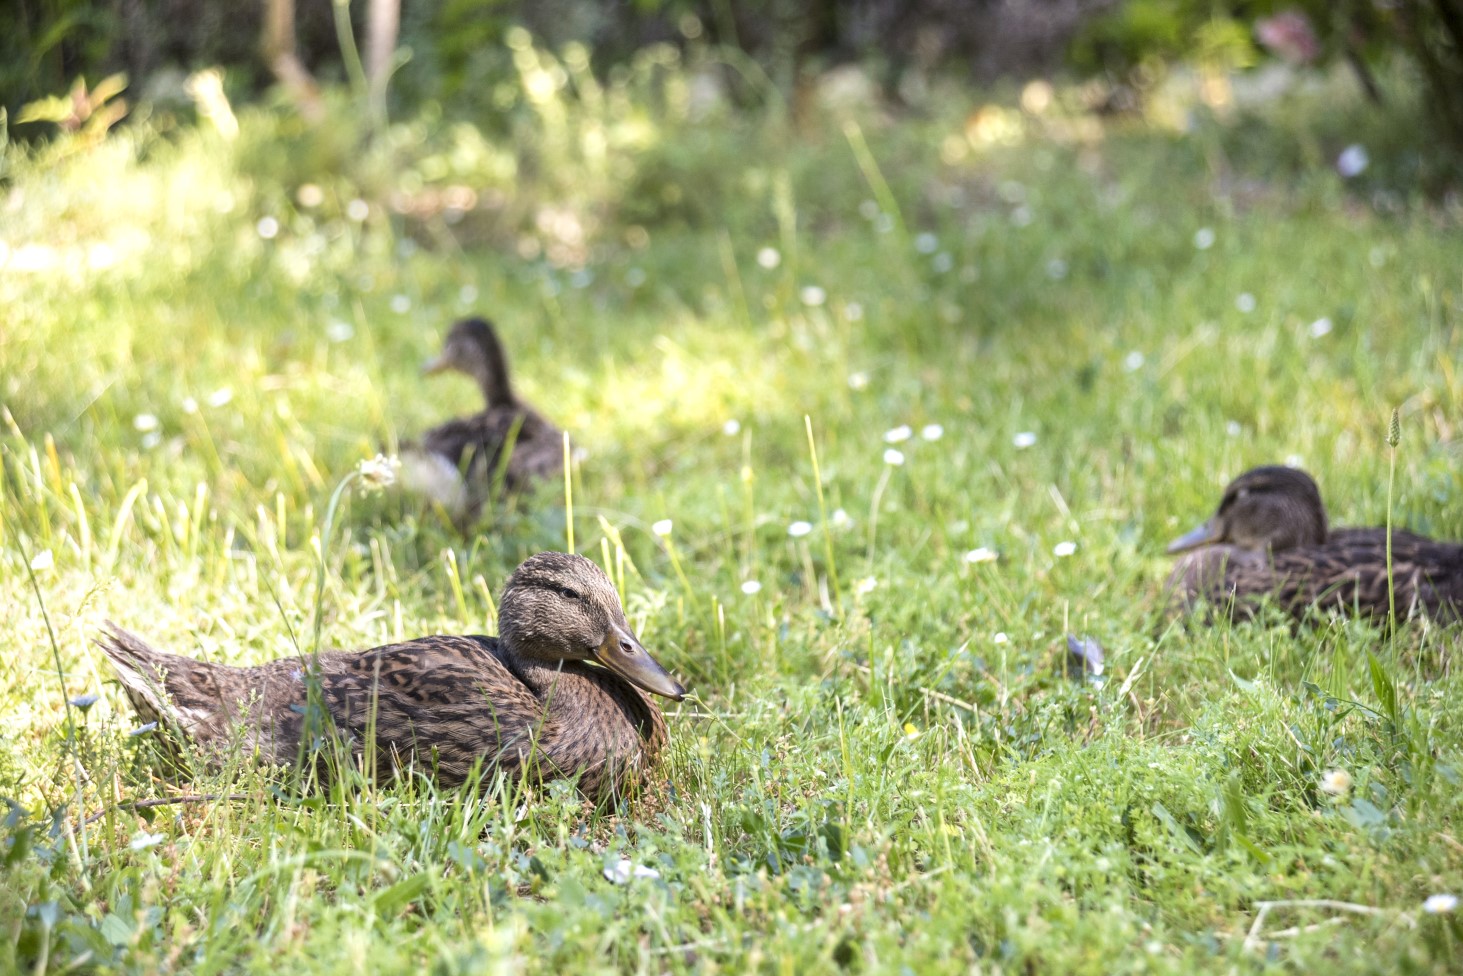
(1272, 507)
(558, 607)
(472, 347)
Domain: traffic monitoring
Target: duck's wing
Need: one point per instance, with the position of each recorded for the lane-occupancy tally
(445, 702)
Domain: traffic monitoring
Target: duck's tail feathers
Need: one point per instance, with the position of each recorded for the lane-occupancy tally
(143, 674)
(435, 478)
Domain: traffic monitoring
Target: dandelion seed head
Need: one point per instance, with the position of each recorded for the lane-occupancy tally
(799, 529)
(662, 528)
(769, 258)
(1064, 549)
(898, 435)
(813, 296)
(1335, 782)
(894, 457)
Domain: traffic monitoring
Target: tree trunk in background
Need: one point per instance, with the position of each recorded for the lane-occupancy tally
(383, 19)
(280, 54)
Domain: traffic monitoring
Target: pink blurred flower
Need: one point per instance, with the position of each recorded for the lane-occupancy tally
(1290, 36)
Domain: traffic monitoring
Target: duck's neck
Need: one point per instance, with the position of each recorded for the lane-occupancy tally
(490, 371)
(596, 724)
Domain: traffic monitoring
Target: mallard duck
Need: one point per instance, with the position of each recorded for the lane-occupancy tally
(1270, 538)
(560, 693)
(457, 463)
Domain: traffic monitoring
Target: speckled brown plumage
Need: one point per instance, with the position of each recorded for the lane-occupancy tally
(1270, 539)
(561, 693)
(474, 447)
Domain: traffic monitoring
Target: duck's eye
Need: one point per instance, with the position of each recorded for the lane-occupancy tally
(568, 593)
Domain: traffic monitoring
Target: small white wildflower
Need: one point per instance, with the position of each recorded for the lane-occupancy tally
(189, 405)
(357, 210)
(400, 304)
(42, 561)
(813, 296)
(151, 439)
(769, 258)
(751, 587)
(622, 871)
(145, 422)
(1024, 440)
(1245, 302)
(732, 427)
(858, 381)
(932, 432)
(310, 195)
(926, 243)
(1353, 161)
(1056, 269)
(268, 228)
(1320, 327)
(1294, 461)
(1440, 903)
(840, 519)
(1233, 428)
(467, 294)
(898, 435)
(853, 311)
(981, 554)
(378, 472)
(635, 277)
(221, 396)
(1336, 782)
(894, 457)
(799, 529)
(142, 840)
(662, 528)
(1000, 638)
(1134, 361)
(1204, 238)
(942, 262)
(865, 586)
(1063, 549)
(339, 331)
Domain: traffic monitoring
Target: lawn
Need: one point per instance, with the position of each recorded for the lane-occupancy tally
(876, 408)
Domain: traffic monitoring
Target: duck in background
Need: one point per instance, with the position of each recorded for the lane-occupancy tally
(507, 447)
(1270, 539)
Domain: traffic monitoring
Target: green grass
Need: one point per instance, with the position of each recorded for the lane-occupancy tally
(872, 779)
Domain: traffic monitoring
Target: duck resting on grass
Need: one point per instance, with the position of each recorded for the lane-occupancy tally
(458, 463)
(561, 693)
(1269, 538)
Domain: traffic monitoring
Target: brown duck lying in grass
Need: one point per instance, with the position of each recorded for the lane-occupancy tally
(458, 463)
(561, 693)
(1269, 538)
